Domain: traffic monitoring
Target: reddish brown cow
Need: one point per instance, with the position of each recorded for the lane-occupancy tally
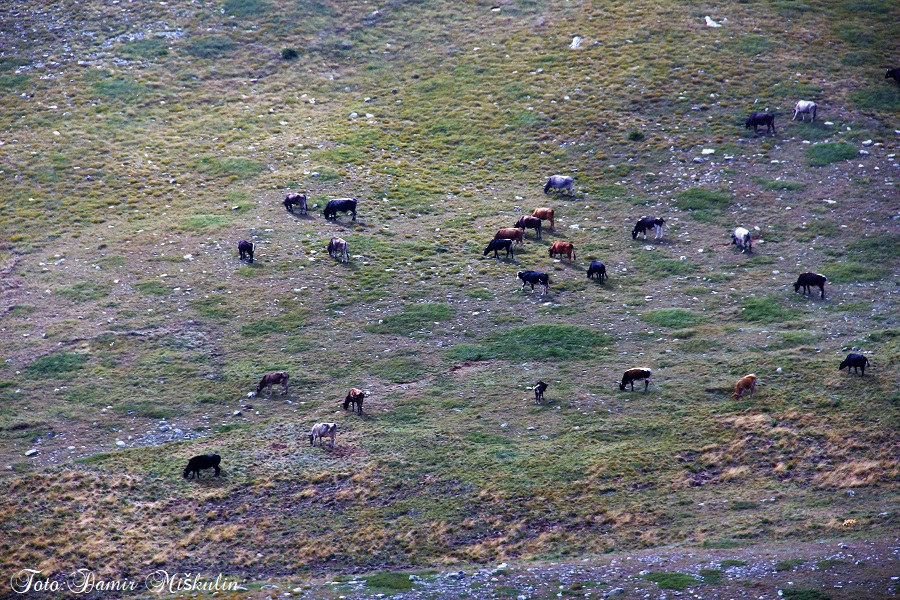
(511, 233)
(747, 382)
(567, 248)
(545, 214)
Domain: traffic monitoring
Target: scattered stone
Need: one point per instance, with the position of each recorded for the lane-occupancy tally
(648, 247)
(576, 42)
(708, 151)
(711, 23)
(31, 452)
(237, 413)
(699, 160)
(863, 152)
(867, 143)
(120, 443)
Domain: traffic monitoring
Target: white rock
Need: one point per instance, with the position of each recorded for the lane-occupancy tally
(863, 152)
(708, 151)
(867, 143)
(31, 452)
(711, 23)
(576, 41)
(648, 247)
(120, 443)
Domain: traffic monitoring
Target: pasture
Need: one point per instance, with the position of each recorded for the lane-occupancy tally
(141, 141)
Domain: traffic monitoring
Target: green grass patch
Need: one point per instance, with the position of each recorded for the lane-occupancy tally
(699, 346)
(671, 581)
(152, 288)
(123, 90)
(13, 83)
(805, 594)
(241, 168)
(265, 327)
(399, 370)
(711, 576)
(212, 46)
(389, 581)
(57, 363)
(851, 272)
(765, 310)
(85, 291)
(787, 565)
(819, 155)
(776, 185)
(535, 342)
(733, 562)
(655, 264)
(212, 307)
(742, 505)
(704, 204)
(146, 48)
(201, 222)
(413, 318)
(673, 317)
(878, 249)
(824, 565)
(245, 8)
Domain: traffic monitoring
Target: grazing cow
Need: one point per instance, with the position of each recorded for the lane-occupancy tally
(893, 74)
(530, 223)
(803, 108)
(545, 214)
(292, 200)
(567, 248)
(511, 233)
(275, 378)
(632, 375)
(756, 119)
(599, 269)
(747, 382)
(339, 248)
(344, 205)
(533, 277)
(810, 280)
(497, 245)
(321, 431)
(856, 362)
(539, 388)
(355, 397)
(646, 223)
(742, 239)
(559, 182)
(245, 250)
(203, 461)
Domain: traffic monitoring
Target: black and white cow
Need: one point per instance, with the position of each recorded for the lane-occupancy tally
(559, 182)
(893, 74)
(599, 269)
(539, 388)
(497, 245)
(344, 205)
(534, 277)
(245, 250)
(646, 223)
(742, 239)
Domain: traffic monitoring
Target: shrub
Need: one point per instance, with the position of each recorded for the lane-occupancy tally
(635, 135)
(826, 153)
(289, 54)
(58, 362)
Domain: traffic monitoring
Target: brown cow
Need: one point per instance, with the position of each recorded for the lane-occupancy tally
(274, 378)
(511, 233)
(355, 397)
(747, 382)
(567, 248)
(545, 214)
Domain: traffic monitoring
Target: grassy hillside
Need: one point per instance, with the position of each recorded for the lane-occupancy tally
(140, 141)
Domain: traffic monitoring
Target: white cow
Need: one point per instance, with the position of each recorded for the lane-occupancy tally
(742, 239)
(321, 431)
(803, 108)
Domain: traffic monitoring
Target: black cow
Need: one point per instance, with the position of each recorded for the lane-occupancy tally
(245, 250)
(203, 461)
(893, 74)
(856, 362)
(533, 277)
(599, 269)
(756, 119)
(539, 388)
(497, 245)
(344, 205)
(810, 280)
(292, 200)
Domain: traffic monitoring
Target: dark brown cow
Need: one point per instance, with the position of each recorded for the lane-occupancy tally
(632, 375)
(355, 397)
(530, 223)
(511, 233)
(545, 214)
(275, 378)
(560, 248)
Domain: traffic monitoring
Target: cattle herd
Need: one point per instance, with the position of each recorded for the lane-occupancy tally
(505, 239)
